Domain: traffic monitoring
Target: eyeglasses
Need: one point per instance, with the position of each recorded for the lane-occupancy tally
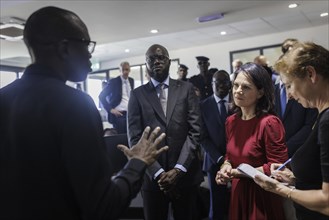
(222, 82)
(161, 58)
(91, 44)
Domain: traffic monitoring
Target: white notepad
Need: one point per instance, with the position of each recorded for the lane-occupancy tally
(249, 170)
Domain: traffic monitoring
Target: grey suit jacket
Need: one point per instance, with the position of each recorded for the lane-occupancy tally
(182, 127)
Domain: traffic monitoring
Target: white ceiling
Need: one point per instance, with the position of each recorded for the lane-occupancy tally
(120, 25)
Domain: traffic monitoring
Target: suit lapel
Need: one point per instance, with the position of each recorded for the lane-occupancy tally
(152, 97)
(174, 86)
(119, 84)
(277, 101)
(214, 108)
(288, 107)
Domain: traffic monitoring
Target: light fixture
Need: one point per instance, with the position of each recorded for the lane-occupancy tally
(154, 31)
(11, 28)
(210, 17)
(127, 50)
(223, 33)
(294, 5)
(324, 14)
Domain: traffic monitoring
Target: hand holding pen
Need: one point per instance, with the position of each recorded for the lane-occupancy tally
(280, 167)
(283, 165)
(281, 174)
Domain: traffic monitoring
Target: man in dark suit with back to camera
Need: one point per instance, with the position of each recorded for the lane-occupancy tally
(53, 160)
(172, 105)
(214, 110)
(115, 97)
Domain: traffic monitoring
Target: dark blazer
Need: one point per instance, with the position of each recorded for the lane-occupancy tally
(53, 160)
(111, 95)
(213, 138)
(182, 127)
(297, 121)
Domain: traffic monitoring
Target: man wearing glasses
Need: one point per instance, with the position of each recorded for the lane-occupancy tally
(53, 160)
(173, 106)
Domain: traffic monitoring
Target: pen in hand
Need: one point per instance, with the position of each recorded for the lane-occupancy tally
(282, 166)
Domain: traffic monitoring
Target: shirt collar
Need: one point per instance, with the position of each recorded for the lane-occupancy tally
(123, 79)
(218, 99)
(156, 83)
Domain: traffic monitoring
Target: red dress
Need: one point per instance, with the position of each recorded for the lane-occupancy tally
(258, 142)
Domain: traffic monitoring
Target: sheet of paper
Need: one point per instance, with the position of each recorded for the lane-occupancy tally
(249, 170)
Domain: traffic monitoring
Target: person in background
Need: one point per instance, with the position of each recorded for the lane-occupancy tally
(212, 71)
(236, 64)
(287, 44)
(182, 72)
(262, 61)
(202, 81)
(297, 121)
(304, 70)
(254, 136)
(173, 106)
(53, 160)
(214, 111)
(115, 96)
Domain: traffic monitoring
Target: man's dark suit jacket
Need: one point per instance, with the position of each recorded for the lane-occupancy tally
(111, 95)
(53, 161)
(213, 138)
(297, 121)
(182, 127)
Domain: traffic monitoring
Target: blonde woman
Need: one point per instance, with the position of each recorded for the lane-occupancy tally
(305, 71)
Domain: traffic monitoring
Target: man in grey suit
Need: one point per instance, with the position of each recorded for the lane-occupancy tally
(173, 106)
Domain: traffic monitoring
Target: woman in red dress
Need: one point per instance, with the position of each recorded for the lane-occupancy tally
(254, 136)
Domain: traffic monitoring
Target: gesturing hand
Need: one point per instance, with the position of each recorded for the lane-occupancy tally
(146, 148)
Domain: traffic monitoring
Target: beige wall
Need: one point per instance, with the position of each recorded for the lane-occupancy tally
(219, 53)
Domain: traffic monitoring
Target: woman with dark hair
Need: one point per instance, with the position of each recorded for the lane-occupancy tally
(254, 136)
(305, 71)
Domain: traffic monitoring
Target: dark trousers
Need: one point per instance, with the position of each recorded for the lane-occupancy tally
(120, 123)
(156, 205)
(219, 197)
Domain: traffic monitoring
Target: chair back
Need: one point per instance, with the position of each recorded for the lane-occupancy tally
(117, 157)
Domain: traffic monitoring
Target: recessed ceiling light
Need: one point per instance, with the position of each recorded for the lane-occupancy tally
(127, 50)
(223, 33)
(294, 5)
(324, 14)
(11, 31)
(154, 31)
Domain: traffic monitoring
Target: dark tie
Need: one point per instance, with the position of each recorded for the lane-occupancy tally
(283, 99)
(162, 97)
(223, 113)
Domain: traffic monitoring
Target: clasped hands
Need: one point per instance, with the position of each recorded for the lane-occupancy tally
(226, 174)
(167, 182)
